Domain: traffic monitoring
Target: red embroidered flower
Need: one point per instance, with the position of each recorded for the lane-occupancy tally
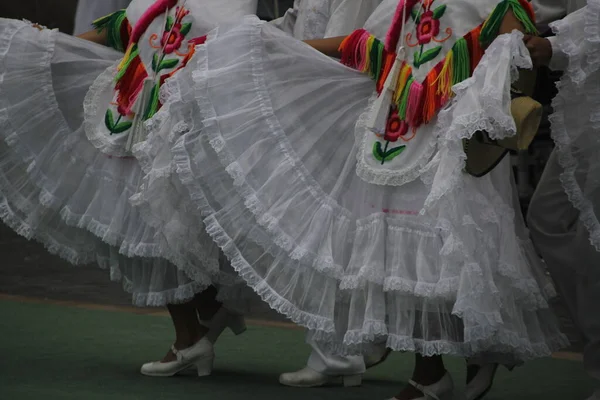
(172, 39)
(175, 32)
(395, 128)
(428, 28)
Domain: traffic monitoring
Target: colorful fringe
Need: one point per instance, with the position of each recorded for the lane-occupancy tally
(118, 29)
(419, 102)
(131, 71)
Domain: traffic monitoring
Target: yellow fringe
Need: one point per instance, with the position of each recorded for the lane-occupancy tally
(126, 57)
(405, 73)
(444, 79)
(370, 42)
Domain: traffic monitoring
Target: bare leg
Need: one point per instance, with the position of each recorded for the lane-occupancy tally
(427, 371)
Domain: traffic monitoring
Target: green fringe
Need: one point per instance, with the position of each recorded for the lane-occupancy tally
(376, 59)
(462, 61)
(403, 101)
(492, 25)
(112, 24)
(380, 61)
(134, 53)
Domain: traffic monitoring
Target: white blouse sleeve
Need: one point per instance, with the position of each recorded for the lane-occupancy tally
(548, 11)
(348, 15)
(287, 23)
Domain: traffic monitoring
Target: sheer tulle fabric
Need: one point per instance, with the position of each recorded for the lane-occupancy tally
(433, 265)
(59, 189)
(576, 118)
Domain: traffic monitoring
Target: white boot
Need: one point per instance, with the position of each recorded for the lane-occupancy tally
(308, 378)
(201, 356)
(224, 319)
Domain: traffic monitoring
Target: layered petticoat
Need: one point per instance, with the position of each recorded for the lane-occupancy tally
(576, 117)
(440, 265)
(59, 189)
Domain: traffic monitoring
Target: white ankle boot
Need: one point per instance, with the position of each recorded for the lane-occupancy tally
(201, 356)
(308, 378)
(224, 319)
(441, 390)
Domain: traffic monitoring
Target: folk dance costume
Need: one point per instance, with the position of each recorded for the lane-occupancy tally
(564, 212)
(318, 19)
(351, 213)
(69, 109)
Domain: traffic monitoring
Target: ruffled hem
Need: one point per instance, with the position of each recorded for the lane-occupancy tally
(576, 143)
(192, 135)
(58, 188)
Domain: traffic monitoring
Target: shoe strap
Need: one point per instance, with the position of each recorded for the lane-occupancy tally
(177, 353)
(423, 389)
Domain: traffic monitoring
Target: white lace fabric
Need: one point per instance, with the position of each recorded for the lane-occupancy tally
(576, 117)
(440, 264)
(59, 189)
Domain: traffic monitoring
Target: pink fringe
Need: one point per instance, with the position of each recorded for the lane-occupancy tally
(156, 9)
(362, 51)
(393, 35)
(414, 106)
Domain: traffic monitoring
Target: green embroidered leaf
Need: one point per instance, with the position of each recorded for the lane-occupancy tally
(185, 28)
(122, 127)
(422, 58)
(393, 153)
(439, 12)
(109, 121)
(378, 151)
(382, 155)
(169, 23)
(167, 64)
(416, 16)
(154, 62)
(416, 59)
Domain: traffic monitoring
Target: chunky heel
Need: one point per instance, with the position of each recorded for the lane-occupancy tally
(200, 355)
(205, 366)
(352, 380)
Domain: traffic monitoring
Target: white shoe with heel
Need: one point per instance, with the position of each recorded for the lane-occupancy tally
(200, 356)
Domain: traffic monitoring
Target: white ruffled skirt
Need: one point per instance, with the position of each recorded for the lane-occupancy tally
(263, 133)
(576, 117)
(57, 188)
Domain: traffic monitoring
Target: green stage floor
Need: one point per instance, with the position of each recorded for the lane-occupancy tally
(60, 352)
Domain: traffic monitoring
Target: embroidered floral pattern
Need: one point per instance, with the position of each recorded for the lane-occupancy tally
(415, 103)
(172, 53)
(428, 29)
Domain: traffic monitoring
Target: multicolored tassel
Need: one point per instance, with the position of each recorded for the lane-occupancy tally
(522, 10)
(118, 29)
(415, 102)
